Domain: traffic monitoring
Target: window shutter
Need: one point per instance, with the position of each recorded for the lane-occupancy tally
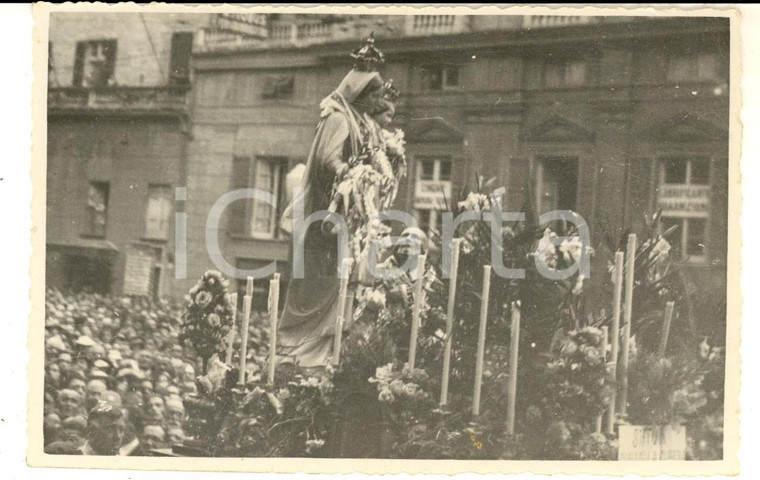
(109, 50)
(237, 223)
(179, 66)
(79, 64)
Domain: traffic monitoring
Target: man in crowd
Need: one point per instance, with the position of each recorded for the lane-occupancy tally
(109, 391)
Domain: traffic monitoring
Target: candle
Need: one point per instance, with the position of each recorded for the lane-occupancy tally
(455, 246)
(481, 339)
(669, 307)
(416, 310)
(231, 335)
(274, 303)
(514, 347)
(244, 337)
(249, 287)
(615, 336)
(603, 347)
(342, 294)
(628, 311)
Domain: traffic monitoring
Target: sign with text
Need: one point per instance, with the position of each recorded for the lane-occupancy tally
(251, 24)
(684, 200)
(431, 194)
(138, 270)
(652, 442)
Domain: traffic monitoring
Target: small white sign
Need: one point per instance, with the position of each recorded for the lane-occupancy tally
(651, 442)
(684, 200)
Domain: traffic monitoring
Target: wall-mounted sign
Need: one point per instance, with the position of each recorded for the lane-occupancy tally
(684, 200)
(431, 194)
(251, 24)
(652, 442)
(138, 269)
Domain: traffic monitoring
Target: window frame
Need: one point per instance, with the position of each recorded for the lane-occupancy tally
(437, 160)
(162, 236)
(90, 210)
(80, 61)
(563, 66)
(277, 179)
(683, 221)
(442, 69)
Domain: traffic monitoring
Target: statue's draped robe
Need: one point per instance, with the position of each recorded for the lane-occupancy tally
(307, 326)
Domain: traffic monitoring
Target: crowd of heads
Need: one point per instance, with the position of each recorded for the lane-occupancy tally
(115, 374)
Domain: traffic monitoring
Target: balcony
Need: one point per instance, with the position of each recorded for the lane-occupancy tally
(548, 21)
(122, 100)
(425, 25)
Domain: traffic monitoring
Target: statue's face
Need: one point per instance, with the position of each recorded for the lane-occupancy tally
(413, 241)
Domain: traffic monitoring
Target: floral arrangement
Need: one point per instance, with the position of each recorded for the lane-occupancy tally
(369, 185)
(291, 419)
(208, 316)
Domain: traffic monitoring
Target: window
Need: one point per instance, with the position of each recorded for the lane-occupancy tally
(697, 67)
(440, 77)
(432, 190)
(556, 183)
(260, 301)
(564, 73)
(97, 209)
(684, 198)
(278, 87)
(158, 212)
(252, 217)
(94, 63)
(179, 60)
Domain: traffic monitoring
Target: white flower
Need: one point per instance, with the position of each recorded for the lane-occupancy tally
(214, 320)
(386, 396)
(546, 251)
(476, 202)
(383, 164)
(203, 298)
(571, 249)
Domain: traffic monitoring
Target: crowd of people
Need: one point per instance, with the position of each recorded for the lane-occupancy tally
(115, 375)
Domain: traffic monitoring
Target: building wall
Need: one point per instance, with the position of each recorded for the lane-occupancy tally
(501, 119)
(143, 43)
(128, 155)
(108, 139)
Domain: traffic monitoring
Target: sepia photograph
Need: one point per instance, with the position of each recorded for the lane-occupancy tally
(327, 234)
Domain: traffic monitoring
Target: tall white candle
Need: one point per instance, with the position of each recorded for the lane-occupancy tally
(514, 348)
(274, 303)
(249, 287)
(628, 313)
(615, 337)
(416, 310)
(244, 337)
(231, 335)
(603, 351)
(342, 294)
(669, 307)
(455, 246)
(486, 292)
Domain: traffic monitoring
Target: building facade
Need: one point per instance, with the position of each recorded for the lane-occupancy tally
(117, 134)
(612, 117)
